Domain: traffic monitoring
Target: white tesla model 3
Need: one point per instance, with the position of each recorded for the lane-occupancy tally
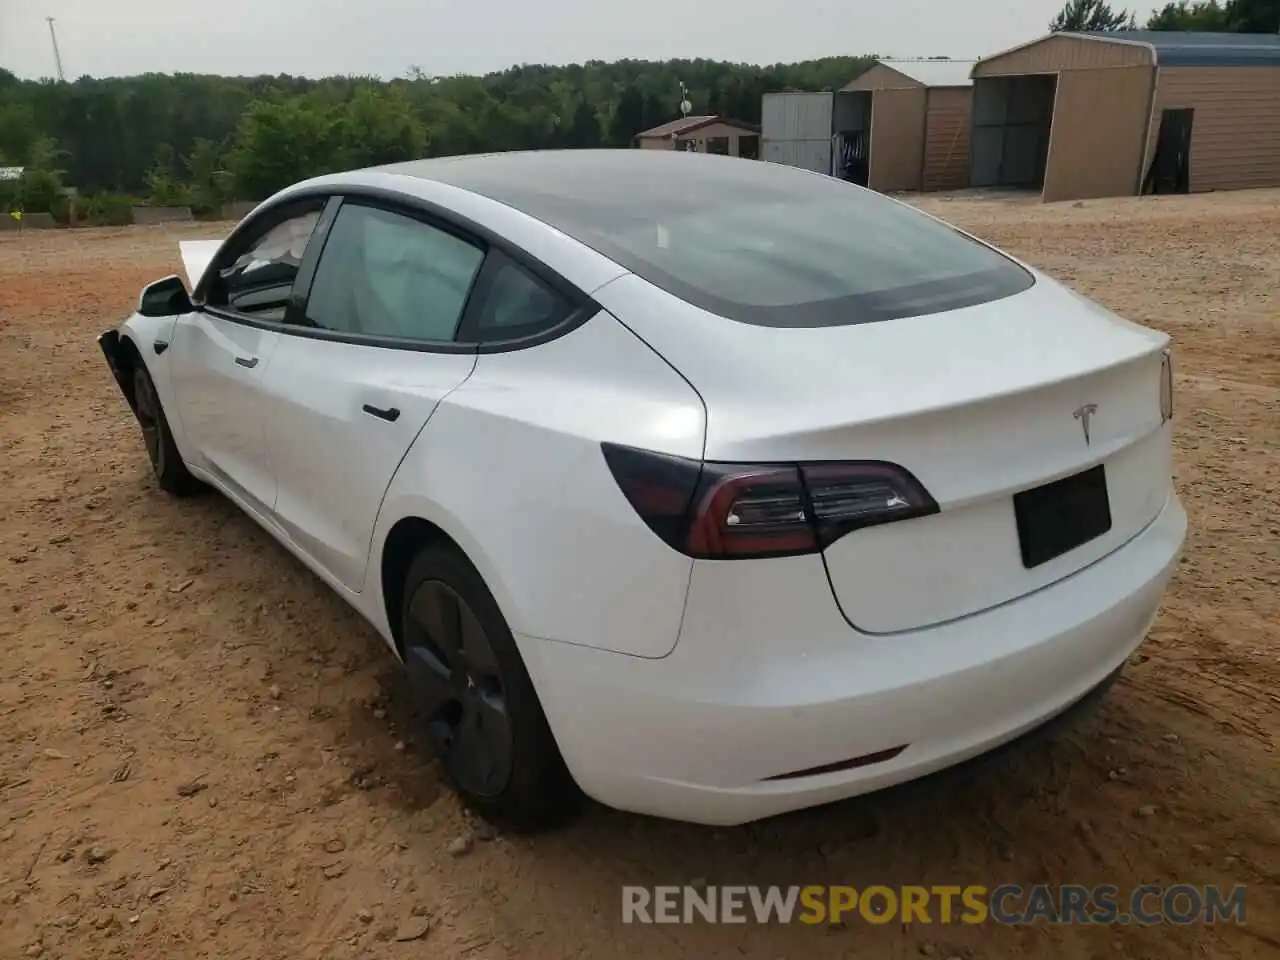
(708, 487)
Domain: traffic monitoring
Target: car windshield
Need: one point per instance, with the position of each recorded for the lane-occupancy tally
(757, 242)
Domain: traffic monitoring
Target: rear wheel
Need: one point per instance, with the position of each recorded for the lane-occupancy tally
(482, 714)
(166, 462)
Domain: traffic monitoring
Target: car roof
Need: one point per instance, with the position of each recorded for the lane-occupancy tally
(748, 240)
(536, 199)
(525, 180)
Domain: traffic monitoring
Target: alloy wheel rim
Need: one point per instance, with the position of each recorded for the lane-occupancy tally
(460, 688)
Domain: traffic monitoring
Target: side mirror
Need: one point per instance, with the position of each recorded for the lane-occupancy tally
(165, 298)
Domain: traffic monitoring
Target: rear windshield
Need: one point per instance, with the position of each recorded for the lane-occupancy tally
(765, 244)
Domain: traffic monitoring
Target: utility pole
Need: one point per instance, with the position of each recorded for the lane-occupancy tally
(57, 57)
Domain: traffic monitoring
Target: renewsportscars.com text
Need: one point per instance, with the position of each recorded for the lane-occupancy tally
(1009, 904)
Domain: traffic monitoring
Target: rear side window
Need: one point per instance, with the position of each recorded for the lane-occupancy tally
(511, 303)
(386, 275)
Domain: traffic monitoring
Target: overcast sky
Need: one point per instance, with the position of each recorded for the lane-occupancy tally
(385, 37)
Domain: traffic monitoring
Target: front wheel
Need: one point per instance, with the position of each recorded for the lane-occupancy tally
(166, 462)
(482, 714)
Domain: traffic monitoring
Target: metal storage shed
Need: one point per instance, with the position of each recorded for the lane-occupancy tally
(919, 114)
(796, 129)
(1081, 115)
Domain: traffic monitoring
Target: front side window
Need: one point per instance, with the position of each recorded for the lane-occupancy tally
(259, 280)
(386, 275)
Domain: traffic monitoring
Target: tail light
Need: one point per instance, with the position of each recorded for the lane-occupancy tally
(735, 511)
(1166, 388)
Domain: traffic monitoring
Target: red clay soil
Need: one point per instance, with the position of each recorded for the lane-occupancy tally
(206, 753)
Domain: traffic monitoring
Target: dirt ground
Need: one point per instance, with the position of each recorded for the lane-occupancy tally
(206, 754)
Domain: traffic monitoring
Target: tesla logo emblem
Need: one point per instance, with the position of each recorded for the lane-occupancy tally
(1083, 414)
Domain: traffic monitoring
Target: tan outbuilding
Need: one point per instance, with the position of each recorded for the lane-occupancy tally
(1079, 115)
(918, 115)
(723, 135)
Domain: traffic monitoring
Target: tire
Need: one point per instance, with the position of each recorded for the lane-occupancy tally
(482, 714)
(166, 462)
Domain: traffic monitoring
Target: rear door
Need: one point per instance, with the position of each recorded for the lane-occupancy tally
(357, 377)
(221, 352)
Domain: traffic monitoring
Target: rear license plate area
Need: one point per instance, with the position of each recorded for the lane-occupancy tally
(1062, 515)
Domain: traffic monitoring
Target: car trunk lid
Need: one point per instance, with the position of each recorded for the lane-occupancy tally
(980, 404)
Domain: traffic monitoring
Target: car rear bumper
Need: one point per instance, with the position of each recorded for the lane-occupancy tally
(763, 704)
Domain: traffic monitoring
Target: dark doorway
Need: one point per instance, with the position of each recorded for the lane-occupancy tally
(854, 163)
(718, 145)
(749, 146)
(851, 121)
(1170, 170)
(1012, 119)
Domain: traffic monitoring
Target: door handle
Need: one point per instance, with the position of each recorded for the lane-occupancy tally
(390, 414)
(249, 362)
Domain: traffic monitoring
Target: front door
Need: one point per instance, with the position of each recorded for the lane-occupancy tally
(222, 351)
(350, 390)
(217, 376)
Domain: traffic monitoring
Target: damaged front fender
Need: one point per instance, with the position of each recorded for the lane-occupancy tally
(120, 363)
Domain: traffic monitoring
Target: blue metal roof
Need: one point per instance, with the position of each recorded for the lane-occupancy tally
(1175, 49)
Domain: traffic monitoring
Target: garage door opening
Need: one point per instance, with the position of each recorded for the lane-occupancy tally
(1012, 117)
(852, 141)
(1170, 170)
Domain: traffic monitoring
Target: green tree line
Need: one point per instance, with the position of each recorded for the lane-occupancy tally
(1233, 16)
(203, 140)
